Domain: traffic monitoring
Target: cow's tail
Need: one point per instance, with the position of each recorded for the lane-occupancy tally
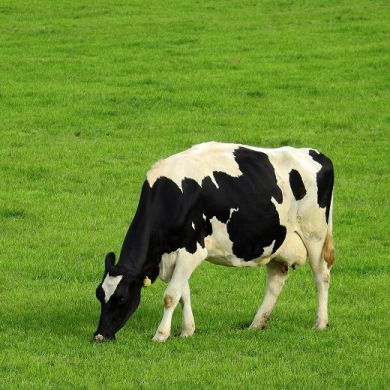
(328, 249)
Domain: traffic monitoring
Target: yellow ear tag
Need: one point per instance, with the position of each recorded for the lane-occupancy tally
(147, 282)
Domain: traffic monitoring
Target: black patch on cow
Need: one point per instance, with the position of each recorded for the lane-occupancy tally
(296, 184)
(256, 223)
(325, 181)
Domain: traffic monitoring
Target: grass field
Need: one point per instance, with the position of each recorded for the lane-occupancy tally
(92, 93)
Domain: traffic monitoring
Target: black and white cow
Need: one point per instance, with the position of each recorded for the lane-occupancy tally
(232, 205)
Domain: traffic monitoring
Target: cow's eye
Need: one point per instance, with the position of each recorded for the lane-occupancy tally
(121, 300)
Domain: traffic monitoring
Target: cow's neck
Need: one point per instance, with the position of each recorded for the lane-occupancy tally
(135, 248)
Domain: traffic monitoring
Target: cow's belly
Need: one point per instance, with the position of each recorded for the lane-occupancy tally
(220, 249)
(233, 261)
(292, 252)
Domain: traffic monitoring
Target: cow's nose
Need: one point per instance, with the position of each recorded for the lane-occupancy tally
(99, 337)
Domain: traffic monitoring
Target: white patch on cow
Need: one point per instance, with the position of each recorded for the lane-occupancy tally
(197, 163)
(193, 225)
(267, 251)
(109, 285)
(204, 217)
(218, 244)
(167, 265)
(293, 251)
(231, 212)
(213, 180)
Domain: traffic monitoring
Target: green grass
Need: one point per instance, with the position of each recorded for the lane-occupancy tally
(92, 93)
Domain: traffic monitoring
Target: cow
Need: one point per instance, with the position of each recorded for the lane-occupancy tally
(232, 205)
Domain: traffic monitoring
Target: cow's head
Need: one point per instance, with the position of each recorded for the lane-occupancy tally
(119, 295)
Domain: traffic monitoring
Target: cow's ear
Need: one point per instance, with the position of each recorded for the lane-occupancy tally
(110, 261)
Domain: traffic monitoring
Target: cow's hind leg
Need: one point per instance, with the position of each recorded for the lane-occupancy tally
(178, 288)
(276, 277)
(321, 260)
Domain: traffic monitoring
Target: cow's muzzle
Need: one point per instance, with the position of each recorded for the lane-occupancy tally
(99, 338)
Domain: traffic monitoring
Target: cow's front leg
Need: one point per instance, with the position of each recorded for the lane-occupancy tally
(188, 324)
(185, 264)
(171, 298)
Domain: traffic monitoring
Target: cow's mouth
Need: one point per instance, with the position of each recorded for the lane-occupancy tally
(99, 338)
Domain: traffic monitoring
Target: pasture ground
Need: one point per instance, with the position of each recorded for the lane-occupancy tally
(92, 93)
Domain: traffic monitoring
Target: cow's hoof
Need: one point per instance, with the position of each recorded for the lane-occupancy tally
(320, 324)
(160, 337)
(261, 326)
(187, 332)
(99, 338)
(261, 323)
(188, 329)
